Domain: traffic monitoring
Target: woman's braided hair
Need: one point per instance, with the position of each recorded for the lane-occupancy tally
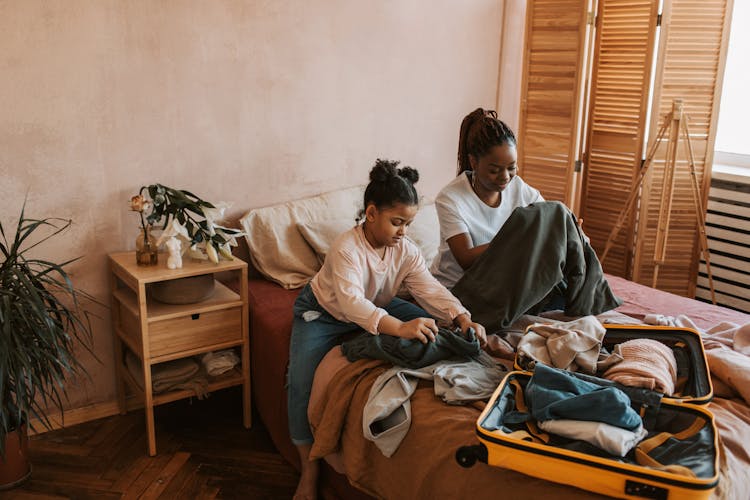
(390, 185)
(481, 130)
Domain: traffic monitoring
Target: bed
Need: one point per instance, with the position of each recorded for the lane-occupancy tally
(287, 242)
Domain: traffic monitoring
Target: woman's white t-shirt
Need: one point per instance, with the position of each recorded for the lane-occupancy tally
(460, 211)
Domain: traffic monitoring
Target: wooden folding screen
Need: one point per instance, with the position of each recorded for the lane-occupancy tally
(691, 60)
(689, 64)
(625, 33)
(552, 86)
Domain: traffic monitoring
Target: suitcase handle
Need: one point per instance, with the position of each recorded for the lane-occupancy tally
(467, 456)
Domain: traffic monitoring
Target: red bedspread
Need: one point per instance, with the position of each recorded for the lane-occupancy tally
(639, 300)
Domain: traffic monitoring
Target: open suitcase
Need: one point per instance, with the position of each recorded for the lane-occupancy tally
(677, 459)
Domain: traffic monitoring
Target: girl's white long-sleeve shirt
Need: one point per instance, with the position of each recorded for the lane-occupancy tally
(355, 283)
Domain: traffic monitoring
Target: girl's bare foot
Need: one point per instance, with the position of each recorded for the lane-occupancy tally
(307, 489)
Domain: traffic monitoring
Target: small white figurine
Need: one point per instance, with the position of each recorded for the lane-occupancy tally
(174, 247)
(175, 237)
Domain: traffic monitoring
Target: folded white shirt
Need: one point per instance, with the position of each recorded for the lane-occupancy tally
(612, 439)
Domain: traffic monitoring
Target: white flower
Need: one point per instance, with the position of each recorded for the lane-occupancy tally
(214, 215)
(229, 235)
(201, 234)
(195, 253)
(177, 230)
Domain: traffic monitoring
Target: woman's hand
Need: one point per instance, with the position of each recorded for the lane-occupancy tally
(464, 251)
(580, 227)
(464, 322)
(422, 329)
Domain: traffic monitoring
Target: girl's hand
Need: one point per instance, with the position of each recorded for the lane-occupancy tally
(464, 322)
(480, 332)
(422, 329)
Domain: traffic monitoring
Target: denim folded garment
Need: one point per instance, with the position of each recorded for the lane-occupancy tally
(554, 394)
(412, 353)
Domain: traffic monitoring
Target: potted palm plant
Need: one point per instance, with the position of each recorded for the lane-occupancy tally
(41, 321)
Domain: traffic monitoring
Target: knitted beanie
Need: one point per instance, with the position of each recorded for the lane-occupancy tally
(646, 363)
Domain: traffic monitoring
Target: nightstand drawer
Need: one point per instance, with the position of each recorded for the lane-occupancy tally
(129, 325)
(186, 333)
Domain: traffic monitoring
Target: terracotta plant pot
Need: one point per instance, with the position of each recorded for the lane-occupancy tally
(15, 468)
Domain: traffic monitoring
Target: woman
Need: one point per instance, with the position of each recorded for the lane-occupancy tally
(476, 204)
(505, 251)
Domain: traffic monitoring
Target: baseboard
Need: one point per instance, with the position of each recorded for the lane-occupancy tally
(81, 415)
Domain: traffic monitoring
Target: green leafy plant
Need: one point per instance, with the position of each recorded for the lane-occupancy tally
(41, 320)
(188, 216)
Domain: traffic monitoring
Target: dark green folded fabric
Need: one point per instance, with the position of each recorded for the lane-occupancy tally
(412, 353)
(538, 247)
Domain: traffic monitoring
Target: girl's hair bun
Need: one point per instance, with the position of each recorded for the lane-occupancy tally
(410, 174)
(390, 185)
(384, 170)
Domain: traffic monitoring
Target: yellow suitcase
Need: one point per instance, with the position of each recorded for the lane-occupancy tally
(679, 458)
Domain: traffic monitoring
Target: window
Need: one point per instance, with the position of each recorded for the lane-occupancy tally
(732, 147)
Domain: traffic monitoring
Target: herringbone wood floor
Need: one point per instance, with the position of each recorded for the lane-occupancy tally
(203, 452)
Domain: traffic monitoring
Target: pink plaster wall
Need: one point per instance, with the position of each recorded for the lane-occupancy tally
(253, 102)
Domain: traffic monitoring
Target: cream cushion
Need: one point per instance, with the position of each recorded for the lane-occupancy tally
(288, 242)
(277, 249)
(425, 231)
(320, 234)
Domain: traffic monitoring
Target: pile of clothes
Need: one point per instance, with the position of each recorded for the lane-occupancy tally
(191, 373)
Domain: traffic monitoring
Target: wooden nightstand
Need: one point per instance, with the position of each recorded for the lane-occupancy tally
(156, 332)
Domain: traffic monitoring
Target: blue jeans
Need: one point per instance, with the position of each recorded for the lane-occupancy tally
(310, 342)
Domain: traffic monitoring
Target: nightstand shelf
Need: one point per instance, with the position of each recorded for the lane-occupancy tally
(223, 381)
(222, 298)
(156, 332)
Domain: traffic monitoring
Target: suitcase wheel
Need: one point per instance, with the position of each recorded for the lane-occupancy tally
(467, 456)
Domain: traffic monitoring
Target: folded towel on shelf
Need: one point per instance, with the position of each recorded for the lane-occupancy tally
(178, 374)
(219, 362)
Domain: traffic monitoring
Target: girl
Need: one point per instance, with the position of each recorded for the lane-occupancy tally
(475, 205)
(356, 289)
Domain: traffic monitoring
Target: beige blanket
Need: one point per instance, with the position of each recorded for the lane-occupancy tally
(729, 360)
(424, 465)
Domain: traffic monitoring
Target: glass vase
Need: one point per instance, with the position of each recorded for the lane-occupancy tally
(145, 248)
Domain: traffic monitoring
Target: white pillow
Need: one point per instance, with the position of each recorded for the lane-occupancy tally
(279, 251)
(425, 232)
(321, 234)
